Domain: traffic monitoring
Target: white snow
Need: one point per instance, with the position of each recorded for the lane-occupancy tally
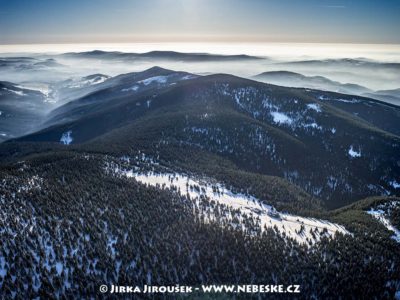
(354, 153)
(395, 184)
(314, 106)
(78, 83)
(290, 225)
(97, 80)
(66, 138)
(380, 215)
(312, 125)
(39, 87)
(133, 88)
(348, 101)
(324, 98)
(157, 79)
(281, 118)
(19, 93)
(59, 268)
(187, 77)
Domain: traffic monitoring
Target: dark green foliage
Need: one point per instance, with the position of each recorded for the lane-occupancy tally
(79, 210)
(233, 118)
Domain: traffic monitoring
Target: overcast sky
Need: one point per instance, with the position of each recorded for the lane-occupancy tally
(87, 21)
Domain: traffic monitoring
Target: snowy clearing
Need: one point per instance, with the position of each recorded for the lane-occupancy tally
(299, 228)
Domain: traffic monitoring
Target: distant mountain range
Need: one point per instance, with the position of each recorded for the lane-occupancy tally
(161, 55)
(293, 79)
(346, 63)
(390, 96)
(287, 73)
(286, 78)
(28, 63)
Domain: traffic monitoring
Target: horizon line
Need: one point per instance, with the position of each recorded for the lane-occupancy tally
(201, 42)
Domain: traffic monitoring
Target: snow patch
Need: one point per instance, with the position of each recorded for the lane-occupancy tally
(59, 268)
(66, 138)
(354, 153)
(314, 106)
(133, 88)
(312, 125)
(395, 184)
(42, 88)
(347, 100)
(19, 93)
(281, 118)
(157, 79)
(187, 77)
(92, 81)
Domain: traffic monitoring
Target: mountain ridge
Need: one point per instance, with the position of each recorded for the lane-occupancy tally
(218, 113)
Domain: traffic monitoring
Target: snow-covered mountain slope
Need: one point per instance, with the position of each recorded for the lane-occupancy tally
(348, 145)
(116, 89)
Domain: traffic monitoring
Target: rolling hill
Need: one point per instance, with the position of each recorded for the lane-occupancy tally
(260, 128)
(293, 79)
